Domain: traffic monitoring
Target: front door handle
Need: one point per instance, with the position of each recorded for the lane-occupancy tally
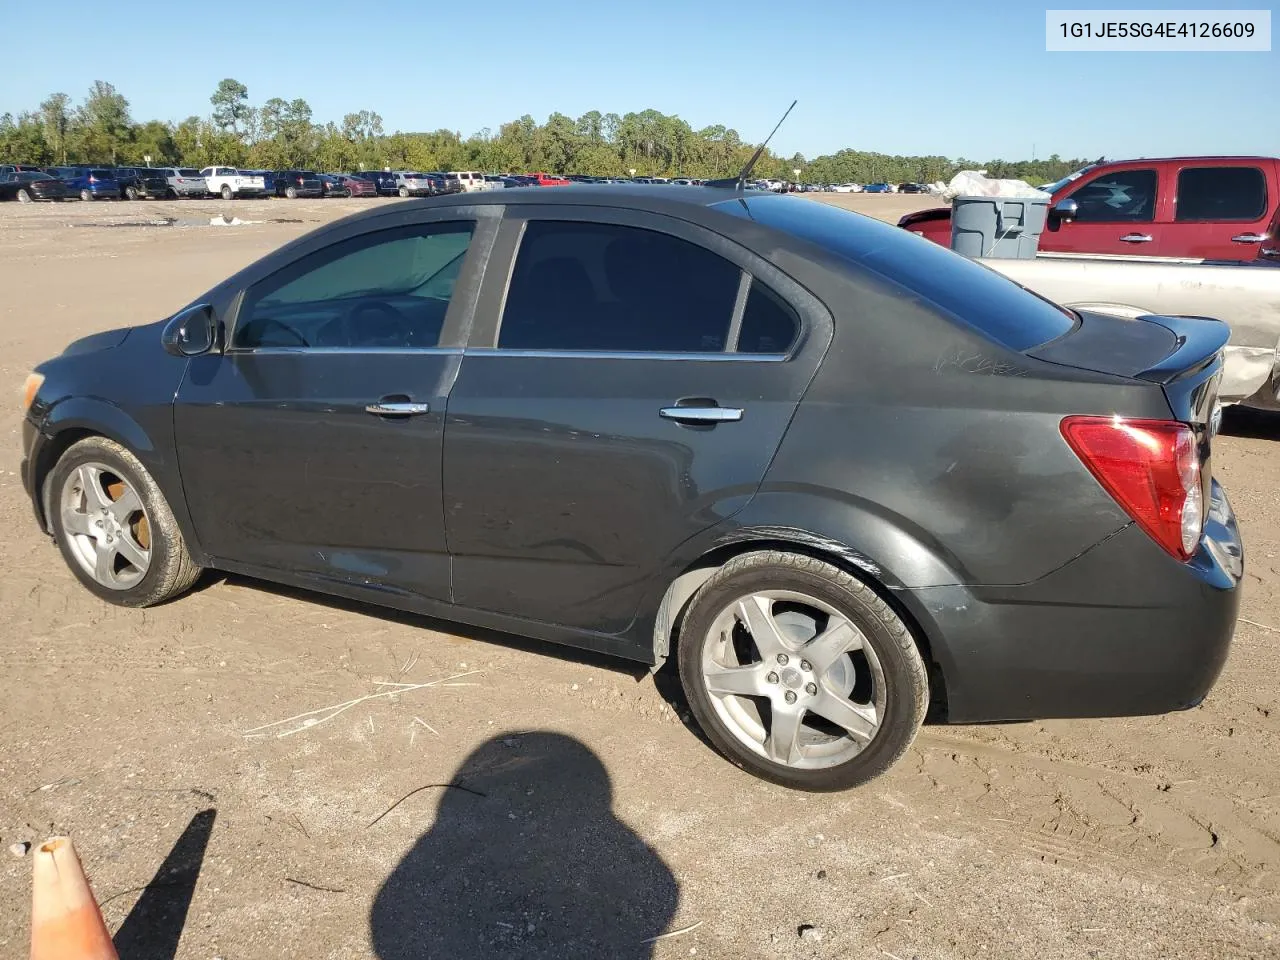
(1136, 238)
(710, 413)
(1248, 238)
(384, 408)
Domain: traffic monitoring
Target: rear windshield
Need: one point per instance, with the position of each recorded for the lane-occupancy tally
(188, 172)
(101, 174)
(1003, 310)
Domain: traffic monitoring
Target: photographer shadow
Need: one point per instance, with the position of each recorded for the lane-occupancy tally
(526, 859)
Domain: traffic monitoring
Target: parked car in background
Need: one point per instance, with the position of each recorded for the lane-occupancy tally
(89, 183)
(355, 186)
(26, 186)
(911, 188)
(442, 184)
(384, 181)
(546, 180)
(296, 184)
(877, 188)
(469, 180)
(19, 168)
(142, 183)
(411, 183)
(495, 181)
(184, 182)
(847, 188)
(228, 182)
(334, 186)
(878, 477)
(1201, 208)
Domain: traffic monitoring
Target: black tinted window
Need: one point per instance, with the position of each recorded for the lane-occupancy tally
(769, 325)
(594, 286)
(1125, 196)
(974, 294)
(388, 289)
(1221, 193)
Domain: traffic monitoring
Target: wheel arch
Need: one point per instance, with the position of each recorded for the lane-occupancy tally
(686, 583)
(78, 418)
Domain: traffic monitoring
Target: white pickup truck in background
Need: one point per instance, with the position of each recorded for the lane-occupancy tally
(1245, 295)
(228, 183)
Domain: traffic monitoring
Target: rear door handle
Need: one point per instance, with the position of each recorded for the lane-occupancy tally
(1136, 238)
(384, 408)
(1248, 238)
(702, 414)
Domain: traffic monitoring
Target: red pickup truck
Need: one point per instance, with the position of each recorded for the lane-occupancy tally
(1210, 208)
(551, 180)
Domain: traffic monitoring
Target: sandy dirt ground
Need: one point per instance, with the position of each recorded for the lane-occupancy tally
(589, 806)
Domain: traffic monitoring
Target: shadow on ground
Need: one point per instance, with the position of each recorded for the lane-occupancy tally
(526, 859)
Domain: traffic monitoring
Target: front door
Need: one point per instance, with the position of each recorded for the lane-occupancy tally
(1117, 215)
(633, 394)
(1221, 210)
(313, 444)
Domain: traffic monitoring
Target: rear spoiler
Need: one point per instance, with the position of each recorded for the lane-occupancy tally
(1200, 342)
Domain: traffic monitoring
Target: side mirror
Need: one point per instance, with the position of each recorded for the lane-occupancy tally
(1065, 209)
(192, 332)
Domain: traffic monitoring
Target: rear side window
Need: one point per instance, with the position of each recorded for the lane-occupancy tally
(1127, 196)
(1221, 193)
(387, 289)
(769, 324)
(976, 295)
(612, 288)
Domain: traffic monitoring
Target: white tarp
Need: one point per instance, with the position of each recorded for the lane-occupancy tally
(974, 183)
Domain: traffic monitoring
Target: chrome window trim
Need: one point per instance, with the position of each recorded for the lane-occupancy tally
(710, 356)
(329, 351)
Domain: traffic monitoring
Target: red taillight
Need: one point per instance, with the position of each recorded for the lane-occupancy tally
(92, 178)
(1151, 468)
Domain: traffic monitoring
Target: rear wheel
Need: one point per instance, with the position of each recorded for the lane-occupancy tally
(404, 191)
(114, 527)
(799, 673)
(291, 193)
(131, 193)
(227, 193)
(86, 195)
(24, 195)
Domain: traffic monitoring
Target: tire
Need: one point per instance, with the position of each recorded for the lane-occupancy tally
(404, 191)
(291, 193)
(148, 532)
(872, 676)
(171, 194)
(131, 193)
(227, 193)
(86, 195)
(24, 196)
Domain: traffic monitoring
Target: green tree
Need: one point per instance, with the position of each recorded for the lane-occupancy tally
(102, 129)
(230, 105)
(55, 118)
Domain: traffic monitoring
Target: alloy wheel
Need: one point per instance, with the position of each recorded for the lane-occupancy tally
(106, 526)
(793, 679)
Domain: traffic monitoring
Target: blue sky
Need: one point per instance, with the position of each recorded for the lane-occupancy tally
(909, 78)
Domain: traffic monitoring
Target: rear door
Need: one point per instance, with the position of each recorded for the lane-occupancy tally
(1117, 215)
(312, 444)
(1221, 209)
(623, 392)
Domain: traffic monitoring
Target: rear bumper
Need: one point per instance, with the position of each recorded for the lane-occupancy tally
(1122, 630)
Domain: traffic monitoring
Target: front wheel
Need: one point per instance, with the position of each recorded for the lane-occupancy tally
(86, 195)
(291, 193)
(114, 527)
(131, 193)
(799, 673)
(227, 192)
(404, 191)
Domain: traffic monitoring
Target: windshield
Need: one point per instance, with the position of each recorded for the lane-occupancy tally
(1059, 184)
(188, 172)
(987, 301)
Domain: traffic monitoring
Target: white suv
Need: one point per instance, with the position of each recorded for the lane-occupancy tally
(469, 180)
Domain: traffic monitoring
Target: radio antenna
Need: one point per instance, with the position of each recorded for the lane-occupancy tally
(740, 181)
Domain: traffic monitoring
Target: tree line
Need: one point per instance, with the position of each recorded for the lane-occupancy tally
(281, 134)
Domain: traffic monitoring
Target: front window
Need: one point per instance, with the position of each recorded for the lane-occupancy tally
(389, 289)
(1125, 196)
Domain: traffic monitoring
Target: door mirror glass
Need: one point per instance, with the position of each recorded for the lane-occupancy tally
(192, 332)
(1065, 209)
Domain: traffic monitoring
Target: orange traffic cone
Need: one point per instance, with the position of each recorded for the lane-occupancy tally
(66, 923)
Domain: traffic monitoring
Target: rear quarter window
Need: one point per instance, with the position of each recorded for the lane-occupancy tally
(976, 295)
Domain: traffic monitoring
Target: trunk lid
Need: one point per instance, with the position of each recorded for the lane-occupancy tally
(1181, 354)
